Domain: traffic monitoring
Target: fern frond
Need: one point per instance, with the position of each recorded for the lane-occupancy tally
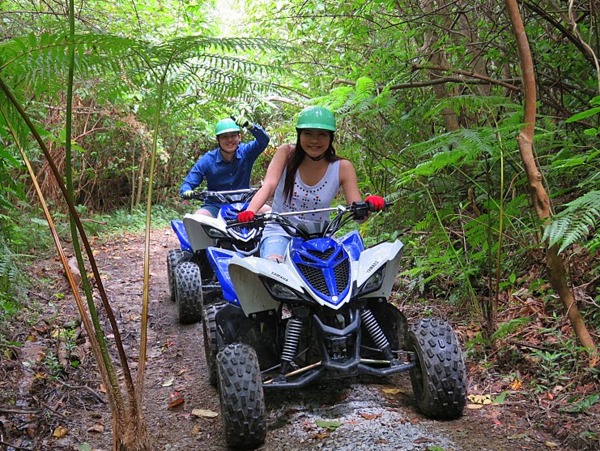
(210, 61)
(509, 327)
(9, 272)
(575, 223)
(474, 103)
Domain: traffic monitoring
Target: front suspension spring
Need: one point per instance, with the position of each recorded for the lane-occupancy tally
(374, 329)
(292, 338)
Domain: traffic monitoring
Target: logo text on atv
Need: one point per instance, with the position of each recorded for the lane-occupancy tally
(279, 276)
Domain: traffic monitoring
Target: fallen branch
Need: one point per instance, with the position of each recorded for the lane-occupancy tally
(18, 411)
(85, 387)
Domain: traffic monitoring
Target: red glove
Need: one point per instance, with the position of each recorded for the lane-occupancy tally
(245, 216)
(377, 203)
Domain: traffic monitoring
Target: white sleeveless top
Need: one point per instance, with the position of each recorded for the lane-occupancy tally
(306, 197)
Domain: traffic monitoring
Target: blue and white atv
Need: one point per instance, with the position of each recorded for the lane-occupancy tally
(321, 314)
(192, 281)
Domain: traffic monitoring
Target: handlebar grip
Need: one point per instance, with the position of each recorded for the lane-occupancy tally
(386, 204)
(192, 195)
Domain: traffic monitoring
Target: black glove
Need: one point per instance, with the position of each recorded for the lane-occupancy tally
(361, 210)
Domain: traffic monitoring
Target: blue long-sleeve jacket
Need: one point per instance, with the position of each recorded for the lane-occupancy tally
(221, 175)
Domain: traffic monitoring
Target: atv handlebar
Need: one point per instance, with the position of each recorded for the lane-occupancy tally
(345, 213)
(230, 196)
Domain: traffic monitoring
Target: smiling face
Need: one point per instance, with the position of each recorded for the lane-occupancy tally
(315, 142)
(229, 142)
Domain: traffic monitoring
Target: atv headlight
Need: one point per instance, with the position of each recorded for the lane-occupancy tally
(214, 233)
(374, 282)
(282, 292)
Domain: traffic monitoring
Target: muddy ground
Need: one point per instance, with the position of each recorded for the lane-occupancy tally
(49, 406)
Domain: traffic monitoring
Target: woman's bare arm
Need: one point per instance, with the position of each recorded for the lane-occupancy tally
(274, 173)
(349, 182)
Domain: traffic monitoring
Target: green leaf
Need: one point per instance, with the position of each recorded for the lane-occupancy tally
(332, 425)
(509, 327)
(584, 114)
(501, 398)
(582, 405)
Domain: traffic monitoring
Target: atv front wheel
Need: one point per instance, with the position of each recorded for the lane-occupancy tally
(188, 292)
(174, 257)
(439, 376)
(242, 397)
(209, 330)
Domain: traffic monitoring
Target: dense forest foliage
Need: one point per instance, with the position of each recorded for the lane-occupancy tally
(429, 99)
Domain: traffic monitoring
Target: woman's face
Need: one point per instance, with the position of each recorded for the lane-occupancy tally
(315, 142)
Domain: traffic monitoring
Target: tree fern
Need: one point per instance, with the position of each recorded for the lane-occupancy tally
(210, 64)
(576, 222)
(492, 104)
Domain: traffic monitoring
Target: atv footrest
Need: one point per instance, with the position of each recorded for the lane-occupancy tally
(211, 291)
(335, 371)
(298, 382)
(399, 368)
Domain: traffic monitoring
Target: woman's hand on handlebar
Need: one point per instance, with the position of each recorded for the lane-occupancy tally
(245, 216)
(376, 202)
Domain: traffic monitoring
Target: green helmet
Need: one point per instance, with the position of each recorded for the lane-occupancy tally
(316, 117)
(225, 126)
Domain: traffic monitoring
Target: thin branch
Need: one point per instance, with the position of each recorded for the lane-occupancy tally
(583, 43)
(474, 75)
(573, 37)
(419, 84)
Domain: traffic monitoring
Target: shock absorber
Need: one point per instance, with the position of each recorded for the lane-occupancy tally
(293, 330)
(376, 333)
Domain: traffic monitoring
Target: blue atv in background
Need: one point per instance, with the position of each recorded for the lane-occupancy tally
(192, 280)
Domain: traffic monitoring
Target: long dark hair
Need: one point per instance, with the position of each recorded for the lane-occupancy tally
(296, 159)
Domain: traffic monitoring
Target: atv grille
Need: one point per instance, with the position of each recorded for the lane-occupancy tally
(315, 276)
(342, 275)
(323, 255)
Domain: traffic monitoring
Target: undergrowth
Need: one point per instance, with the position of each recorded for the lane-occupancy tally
(27, 238)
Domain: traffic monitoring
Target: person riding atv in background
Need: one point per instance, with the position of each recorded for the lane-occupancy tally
(229, 166)
(304, 176)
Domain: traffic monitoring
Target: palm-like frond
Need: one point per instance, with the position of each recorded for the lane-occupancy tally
(576, 222)
(205, 64)
(451, 149)
(9, 273)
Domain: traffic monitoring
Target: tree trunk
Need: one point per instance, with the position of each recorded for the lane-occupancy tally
(539, 196)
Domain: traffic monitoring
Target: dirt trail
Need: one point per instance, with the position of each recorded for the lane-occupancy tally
(353, 415)
(348, 416)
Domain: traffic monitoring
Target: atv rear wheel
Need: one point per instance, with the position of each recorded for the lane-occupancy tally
(174, 257)
(209, 330)
(188, 292)
(242, 397)
(439, 376)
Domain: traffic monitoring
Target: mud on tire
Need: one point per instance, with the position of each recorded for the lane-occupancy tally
(174, 257)
(242, 398)
(209, 330)
(188, 292)
(439, 377)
